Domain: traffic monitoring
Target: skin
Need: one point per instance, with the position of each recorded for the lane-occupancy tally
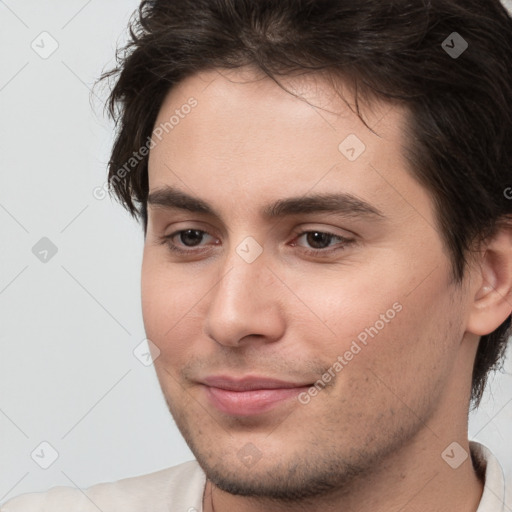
(372, 439)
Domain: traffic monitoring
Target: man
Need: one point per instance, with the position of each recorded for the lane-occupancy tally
(327, 277)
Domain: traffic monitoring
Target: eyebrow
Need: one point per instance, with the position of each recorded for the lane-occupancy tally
(340, 203)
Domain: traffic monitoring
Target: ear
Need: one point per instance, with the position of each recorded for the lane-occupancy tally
(492, 302)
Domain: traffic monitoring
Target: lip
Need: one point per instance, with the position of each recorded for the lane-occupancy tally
(249, 382)
(249, 395)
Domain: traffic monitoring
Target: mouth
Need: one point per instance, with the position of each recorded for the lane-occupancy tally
(249, 395)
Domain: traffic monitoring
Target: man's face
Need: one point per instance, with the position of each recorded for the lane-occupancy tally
(372, 308)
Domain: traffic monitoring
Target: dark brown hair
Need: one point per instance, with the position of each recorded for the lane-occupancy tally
(459, 130)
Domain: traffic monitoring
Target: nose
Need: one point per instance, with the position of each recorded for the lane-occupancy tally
(246, 305)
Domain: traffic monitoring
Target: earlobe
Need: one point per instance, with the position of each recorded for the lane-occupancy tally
(492, 302)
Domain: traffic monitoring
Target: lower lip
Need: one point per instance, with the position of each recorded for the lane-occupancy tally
(246, 403)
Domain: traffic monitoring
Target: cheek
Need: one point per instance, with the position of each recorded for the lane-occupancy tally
(407, 360)
(376, 323)
(170, 300)
(161, 299)
(340, 308)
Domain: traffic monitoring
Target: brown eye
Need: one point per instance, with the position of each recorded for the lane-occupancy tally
(184, 238)
(320, 241)
(190, 237)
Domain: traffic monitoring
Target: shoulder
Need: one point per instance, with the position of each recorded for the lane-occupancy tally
(181, 486)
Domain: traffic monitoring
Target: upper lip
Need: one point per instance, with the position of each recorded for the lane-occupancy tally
(248, 383)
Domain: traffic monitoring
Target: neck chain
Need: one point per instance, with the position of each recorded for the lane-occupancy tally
(211, 495)
(211, 501)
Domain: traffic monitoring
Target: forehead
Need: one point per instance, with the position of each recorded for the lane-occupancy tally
(246, 102)
(246, 140)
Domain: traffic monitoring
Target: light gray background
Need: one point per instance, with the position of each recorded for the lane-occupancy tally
(68, 375)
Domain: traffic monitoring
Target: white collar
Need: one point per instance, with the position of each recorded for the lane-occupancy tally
(493, 497)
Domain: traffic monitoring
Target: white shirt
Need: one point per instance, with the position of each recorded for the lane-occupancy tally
(180, 489)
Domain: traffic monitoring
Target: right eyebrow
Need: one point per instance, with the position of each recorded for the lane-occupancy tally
(173, 198)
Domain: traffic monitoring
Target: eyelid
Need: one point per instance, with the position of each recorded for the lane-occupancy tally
(170, 236)
(328, 251)
(193, 251)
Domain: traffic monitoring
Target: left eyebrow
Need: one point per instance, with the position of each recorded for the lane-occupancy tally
(339, 203)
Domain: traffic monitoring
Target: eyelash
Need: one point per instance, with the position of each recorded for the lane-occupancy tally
(166, 240)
